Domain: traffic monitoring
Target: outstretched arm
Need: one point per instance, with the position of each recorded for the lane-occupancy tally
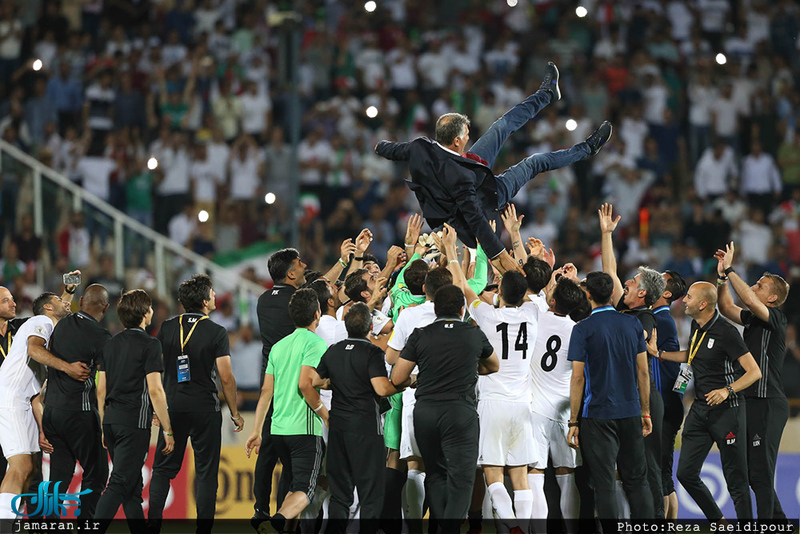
(607, 226)
(513, 224)
(734, 313)
(393, 151)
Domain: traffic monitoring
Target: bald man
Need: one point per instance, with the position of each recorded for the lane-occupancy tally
(722, 367)
(71, 422)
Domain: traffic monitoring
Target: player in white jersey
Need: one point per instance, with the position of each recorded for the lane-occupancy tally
(551, 373)
(503, 403)
(407, 321)
(21, 378)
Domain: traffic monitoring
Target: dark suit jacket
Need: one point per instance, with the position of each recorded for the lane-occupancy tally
(451, 189)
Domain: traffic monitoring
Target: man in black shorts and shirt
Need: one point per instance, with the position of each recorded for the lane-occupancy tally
(287, 270)
(722, 367)
(356, 452)
(71, 422)
(450, 354)
(196, 350)
(636, 298)
(767, 408)
(128, 390)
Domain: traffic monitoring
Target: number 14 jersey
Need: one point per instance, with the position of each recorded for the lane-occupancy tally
(550, 370)
(512, 331)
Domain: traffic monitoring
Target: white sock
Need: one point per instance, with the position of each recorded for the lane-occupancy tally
(624, 508)
(570, 501)
(415, 493)
(5, 506)
(539, 504)
(501, 501)
(523, 504)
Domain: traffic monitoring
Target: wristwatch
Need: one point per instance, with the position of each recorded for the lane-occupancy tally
(730, 389)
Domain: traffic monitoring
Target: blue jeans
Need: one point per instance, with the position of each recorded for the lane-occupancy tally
(514, 178)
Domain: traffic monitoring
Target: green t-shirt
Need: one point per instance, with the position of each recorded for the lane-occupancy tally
(139, 191)
(292, 416)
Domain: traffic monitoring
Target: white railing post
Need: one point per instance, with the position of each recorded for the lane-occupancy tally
(119, 250)
(161, 271)
(38, 220)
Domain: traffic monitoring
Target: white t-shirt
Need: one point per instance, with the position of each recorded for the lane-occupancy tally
(379, 319)
(10, 47)
(331, 330)
(254, 112)
(550, 370)
(176, 172)
(205, 175)
(21, 377)
(512, 331)
(244, 176)
(409, 320)
(96, 174)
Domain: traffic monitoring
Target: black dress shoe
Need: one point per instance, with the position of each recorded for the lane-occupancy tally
(258, 520)
(550, 81)
(600, 137)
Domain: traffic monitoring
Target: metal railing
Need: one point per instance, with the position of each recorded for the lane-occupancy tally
(222, 277)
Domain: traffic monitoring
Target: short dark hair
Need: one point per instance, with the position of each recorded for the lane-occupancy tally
(568, 296)
(320, 287)
(133, 305)
(449, 126)
(436, 278)
(676, 285)
(370, 257)
(194, 291)
(303, 306)
(448, 301)
(280, 262)
(537, 273)
(311, 276)
(354, 284)
(583, 311)
(600, 286)
(41, 301)
(358, 320)
(415, 276)
(513, 287)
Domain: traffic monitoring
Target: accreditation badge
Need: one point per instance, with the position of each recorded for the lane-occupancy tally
(683, 379)
(184, 373)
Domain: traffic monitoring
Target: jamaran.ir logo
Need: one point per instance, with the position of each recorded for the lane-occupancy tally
(48, 503)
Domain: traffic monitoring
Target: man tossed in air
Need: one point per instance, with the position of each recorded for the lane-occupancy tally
(459, 188)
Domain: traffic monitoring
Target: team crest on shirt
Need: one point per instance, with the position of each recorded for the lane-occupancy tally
(756, 440)
(730, 439)
(710, 343)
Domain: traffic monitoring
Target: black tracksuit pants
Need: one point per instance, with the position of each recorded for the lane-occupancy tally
(447, 434)
(128, 447)
(766, 419)
(76, 436)
(205, 429)
(673, 419)
(652, 451)
(605, 442)
(355, 461)
(725, 426)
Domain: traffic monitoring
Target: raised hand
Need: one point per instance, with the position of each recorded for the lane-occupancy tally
(413, 230)
(510, 220)
(535, 248)
(363, 240)
(549, 257)
(607, 221)
(348, 248)
(449, 235)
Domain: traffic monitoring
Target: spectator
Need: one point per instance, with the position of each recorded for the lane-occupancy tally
(714, 171)
(761, 179)
(67, 94)
(172, 192)
(256, 112)
(246, 166)
(29, 245)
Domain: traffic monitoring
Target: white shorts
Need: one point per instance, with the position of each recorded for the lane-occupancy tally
(505, 437)
(408, 439)
(550, 439)
(19, 433)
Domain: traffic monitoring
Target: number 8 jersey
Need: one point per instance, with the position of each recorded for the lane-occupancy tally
(550, 370)
(512, 331)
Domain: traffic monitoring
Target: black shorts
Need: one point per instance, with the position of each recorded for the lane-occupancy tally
(301, 457)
